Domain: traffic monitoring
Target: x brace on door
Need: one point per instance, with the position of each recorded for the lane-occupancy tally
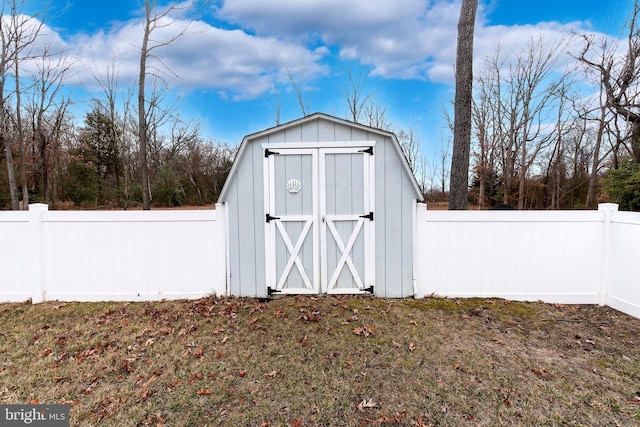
(345, 252)
(294, 252)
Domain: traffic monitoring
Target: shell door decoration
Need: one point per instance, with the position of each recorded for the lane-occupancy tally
(293, 186)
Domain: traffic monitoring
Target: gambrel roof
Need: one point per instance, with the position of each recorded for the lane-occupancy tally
(326, 118)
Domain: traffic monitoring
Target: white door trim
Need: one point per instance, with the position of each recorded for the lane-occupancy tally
(364, 225)
(318, 222)
(310, 225)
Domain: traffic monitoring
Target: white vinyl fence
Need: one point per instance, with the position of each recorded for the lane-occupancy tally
(111, 255)
(579, 257)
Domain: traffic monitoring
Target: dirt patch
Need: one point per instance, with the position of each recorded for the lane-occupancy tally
(347, 361)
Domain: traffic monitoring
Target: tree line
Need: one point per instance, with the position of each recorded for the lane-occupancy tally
(119, 156)
(558, 130)
(537, 141)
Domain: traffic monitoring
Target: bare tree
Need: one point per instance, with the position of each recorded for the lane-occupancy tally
(486, 139)
(618, 78)
(116, 104)
(19, 34)
(520, 96)
(459, 182)
(304, 101)
(46, 101)
(155, 17)
(354, 92)
(6, 35)
(410, 145)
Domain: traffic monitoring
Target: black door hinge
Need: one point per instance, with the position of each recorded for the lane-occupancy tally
(269, 217)
(369, 289)
(369, 216)
(268, 152)
(368, 150)
(271, 291)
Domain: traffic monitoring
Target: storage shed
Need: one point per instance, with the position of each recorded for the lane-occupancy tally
(320, 205)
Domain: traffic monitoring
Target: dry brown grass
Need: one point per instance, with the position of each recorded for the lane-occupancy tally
(324, 361)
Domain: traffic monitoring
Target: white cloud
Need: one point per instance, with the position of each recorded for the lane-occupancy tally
(233, 62)
(255, 43)
(406, 39)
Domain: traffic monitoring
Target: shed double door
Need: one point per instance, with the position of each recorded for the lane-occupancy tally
(319, 218)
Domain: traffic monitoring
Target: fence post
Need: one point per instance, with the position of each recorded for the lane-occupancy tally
(222, 219)
(605, 257)
(37, 250)
(418, 262)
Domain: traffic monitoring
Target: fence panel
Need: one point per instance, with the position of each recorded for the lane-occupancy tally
(114, 255)
(552, 255)
(623, 292)
(133, 255)
(15, 257)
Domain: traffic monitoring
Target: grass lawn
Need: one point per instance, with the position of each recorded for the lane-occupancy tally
(304, 361)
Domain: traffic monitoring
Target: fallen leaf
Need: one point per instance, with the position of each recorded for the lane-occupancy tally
(412, 346)
(365, 330)
(204, 392)
(366, 404)
(271, 374)
(295, 422)
(497, 340)
(303, 340)
(541, 372)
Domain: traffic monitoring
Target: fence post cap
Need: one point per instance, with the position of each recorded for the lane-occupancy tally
(38, 207)
(607, 206)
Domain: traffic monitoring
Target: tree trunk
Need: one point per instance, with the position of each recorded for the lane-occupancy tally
(142, 121)
(11, 174)
(459, 181)
(20, 133)
(595, 165)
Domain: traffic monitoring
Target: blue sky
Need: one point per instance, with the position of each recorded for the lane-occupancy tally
(234, 62)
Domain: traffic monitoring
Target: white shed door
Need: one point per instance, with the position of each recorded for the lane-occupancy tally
(346, 211)
(292, 221)
(319, 219)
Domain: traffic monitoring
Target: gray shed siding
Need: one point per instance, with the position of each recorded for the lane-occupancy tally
(245, 205)
(395, 198)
